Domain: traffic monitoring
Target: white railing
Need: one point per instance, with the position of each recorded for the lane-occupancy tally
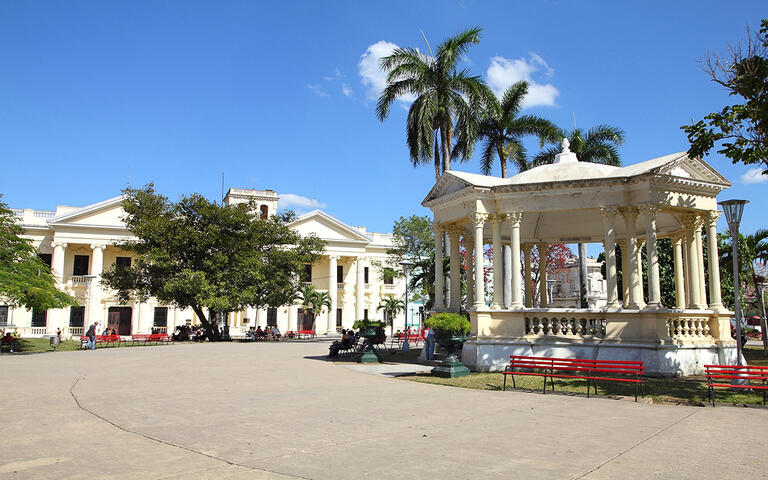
(340, 286)
(689, 328)
(77, 280)
(39, 330)
(43, 214)
(76, 331)
(389, 287)
(17, 213)
(306, 284)
(160, 329)
(565, 326)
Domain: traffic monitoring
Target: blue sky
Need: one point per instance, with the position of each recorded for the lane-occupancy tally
(281, 95)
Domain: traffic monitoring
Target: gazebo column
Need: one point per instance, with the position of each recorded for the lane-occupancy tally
(527, 266)
(715, 302)
(542, 247)
(640, 287)
(630, 215)
(478, 219)
(469, 245)
(439, 287)
(515, 218)
(700, 262)
(498, 277)
(609, 221)
(455, 299)
(692, 273)
(625, 282)
(654, 283)
(677, 241)
(333, 289)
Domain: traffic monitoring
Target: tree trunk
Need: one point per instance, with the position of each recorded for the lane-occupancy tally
(437, 160)
(210, 329)
(503, 162)
(583, 275)
(445, 134)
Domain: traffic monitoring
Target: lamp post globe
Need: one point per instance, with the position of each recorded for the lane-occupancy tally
(733, 210)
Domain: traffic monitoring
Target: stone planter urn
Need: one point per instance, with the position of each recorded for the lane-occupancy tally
(451, 366)
(370, 355)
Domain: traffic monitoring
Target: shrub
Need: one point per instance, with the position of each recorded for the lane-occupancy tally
(449, 323)
(367, 324)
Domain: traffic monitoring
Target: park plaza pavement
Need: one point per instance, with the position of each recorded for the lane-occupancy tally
(280, 410)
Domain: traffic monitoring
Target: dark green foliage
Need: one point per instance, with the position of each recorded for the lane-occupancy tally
(448, 324)
(599, 145)
(197, 254)
(741, 130)
(24, 279)
(365, 324)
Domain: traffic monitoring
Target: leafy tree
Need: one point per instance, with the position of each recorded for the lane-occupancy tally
(314, 302)
(447, 99)
(196, 254)
(501, 130)
(741, 130)
(24, 279)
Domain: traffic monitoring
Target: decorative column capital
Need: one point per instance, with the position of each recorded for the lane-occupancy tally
(609, 212)
(515, 218)
(629, 213)
(436, 228)
(59, 244)
(650, 209)
(333, 257)
(527, 247)
(95, 247)
(689, 221)
(542, 246)
(677, 236)
(497, 218)
(478, 219)
(711, 217)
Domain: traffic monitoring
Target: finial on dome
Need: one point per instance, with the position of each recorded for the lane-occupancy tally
(566, 156)
(566, 144)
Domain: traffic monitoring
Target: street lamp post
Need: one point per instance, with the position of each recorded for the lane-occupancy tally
(733, 210)
(406, 264)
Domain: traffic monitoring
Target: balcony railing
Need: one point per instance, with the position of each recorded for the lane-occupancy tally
(77, 280)
(39, 330)
(76, 331)
(306, 284)
(160, 329)
(42, 214)
(340, 286)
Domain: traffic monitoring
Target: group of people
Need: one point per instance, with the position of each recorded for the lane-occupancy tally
(348, 338)
(264, 334)
(8, 339)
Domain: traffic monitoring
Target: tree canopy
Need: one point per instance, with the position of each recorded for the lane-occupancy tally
(24, 279)
(197, 254)
(741, 130)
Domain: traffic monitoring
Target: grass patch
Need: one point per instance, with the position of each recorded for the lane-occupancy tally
(685, 390)
(41, 345)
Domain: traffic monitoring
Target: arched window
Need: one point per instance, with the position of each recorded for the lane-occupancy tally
(264, 211)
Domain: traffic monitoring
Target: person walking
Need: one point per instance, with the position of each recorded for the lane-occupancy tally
(91, 334)
(429, 343)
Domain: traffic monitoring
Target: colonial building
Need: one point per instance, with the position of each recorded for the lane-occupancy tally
(79, 242)
(673, 196)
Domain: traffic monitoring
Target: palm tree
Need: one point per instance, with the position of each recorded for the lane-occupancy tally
(501, 130)
(599, 145)
(391, 306)
(446, 97)
(313, 301)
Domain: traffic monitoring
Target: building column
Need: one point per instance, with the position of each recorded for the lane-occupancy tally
(625, 280)
(498, 280)
(542, 248)
(515, 218)
(478, 219)
(609, 222)
(57, 260)
(640, 287)
(700, 263)
(652, 254)
(293, 314)
(454, 231)
(694, 302)
(630, 215)
(715, 301)
(527, 247)
(439, 275)
(469, 246)
(333, 289)
(359, 288)
(94, 290)
(677, 241)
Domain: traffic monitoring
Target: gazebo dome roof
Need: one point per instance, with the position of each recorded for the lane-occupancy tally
(559, 172)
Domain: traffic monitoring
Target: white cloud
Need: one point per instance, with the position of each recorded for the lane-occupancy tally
(346, 90)
(293, 200)
(504, 72)
(317, 89)
(754, 175)
(372, 76)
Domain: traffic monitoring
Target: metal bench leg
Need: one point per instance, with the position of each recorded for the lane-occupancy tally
(552, 382)
(545, 385)
(505, 381)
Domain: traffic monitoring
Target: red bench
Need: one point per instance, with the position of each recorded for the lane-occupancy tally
(159, 338)
(747, 373)
(305, 334)
(589, 370)
(104, 340)
(140, 338)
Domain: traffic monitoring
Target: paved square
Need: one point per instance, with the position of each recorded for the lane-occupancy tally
(278, 410)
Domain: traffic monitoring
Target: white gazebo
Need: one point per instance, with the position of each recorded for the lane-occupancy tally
(578, 202)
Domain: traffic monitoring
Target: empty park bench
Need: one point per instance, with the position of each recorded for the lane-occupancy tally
(589, 370)
(140, 338)
(746, 373)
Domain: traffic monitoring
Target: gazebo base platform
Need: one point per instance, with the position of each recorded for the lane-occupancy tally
(669, 343)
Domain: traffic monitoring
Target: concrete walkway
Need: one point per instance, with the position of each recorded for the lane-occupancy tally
(279, 410)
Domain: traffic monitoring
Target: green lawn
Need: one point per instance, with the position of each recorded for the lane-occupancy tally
(688, 390)
(40, 345)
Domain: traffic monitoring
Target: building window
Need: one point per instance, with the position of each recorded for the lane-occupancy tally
(81, 265)
(307, 275)
(39, 318)
(365, 275)
(338, 317)
(161, 317)
(46, 258)
(77, 316)
(123, 262)
(3, 315)
(272, 317)
(339, 274)
(389, 276)
(264, 211)
(365, 314)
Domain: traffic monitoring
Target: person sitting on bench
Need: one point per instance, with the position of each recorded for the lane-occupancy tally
(345, 342)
